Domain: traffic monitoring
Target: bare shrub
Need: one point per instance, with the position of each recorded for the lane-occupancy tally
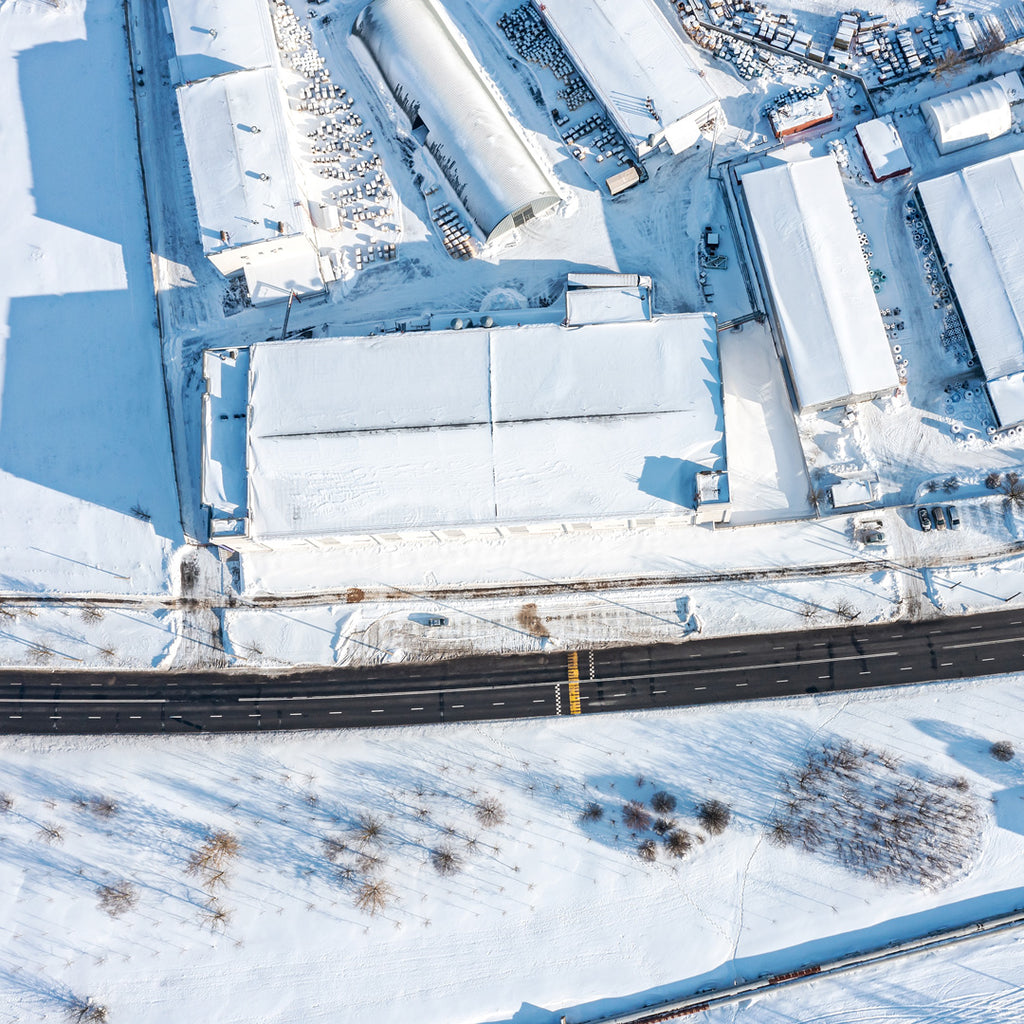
(951, 484)
(663, 802)
(446, 861)
(490, 812)
(662, 826)
(103, 806)
(846, 610)
(780, 832)
(1002, 750)
(50, 833)
(714, 816)
(91, 613)
(993, 480)
(216, 916)
(635, 816)
(592, 812)
(40, 655)
(678, 843)
(214, 855)
(647, 850)
(333, 848)
(6, 803)
(1013, 487)
(529, 620)
(86, 1011)
(373, 897)
(117, 898)
(369, 830)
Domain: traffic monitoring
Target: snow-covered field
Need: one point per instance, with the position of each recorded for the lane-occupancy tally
(535, 912)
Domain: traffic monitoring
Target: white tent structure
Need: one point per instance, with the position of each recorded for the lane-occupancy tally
(977, 218)
(637, 64)
(835, 342)
(247, 198)
(455, 430)
(214, 37)
(974, 114)
(430, 70)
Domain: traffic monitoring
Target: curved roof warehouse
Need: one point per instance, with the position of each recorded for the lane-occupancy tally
(428, 66)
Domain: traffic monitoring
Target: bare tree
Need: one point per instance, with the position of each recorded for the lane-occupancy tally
(846, 610)
(714, 816)
(446, 861)
(103, 806)
(528, 619)
(662, 826)
(373, 897)
(118, 897)
(780, 832)
(1013, 487)
(635, 816)
(678, 843)
(990, 41)
(333, 847)
(6, 802)
(369, 830)
(490, 812)
(1002, 750)
(592, 812)
(86, 1011)
(215, 853)
(993, 480)
(948, 64)
(50, 833)
(663, 802)
(647, 850)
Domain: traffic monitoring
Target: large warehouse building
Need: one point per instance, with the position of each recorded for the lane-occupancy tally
(243, 178)
(977, 219)
(637, 64)
(430, 70)
(215, 37)
(497, 429)
(835, 342)
(974, 114)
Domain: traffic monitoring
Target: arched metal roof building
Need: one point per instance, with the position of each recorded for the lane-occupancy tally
(428, 66)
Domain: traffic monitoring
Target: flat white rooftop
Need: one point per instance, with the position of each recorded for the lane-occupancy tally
(883, 148)
(212, 37)
(835, 341)
(482, 427)
(238, 151)
(630, 53)
(977, 217)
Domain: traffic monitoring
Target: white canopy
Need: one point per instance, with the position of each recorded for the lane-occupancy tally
(974, 114)
(977, 217)
(832, 330)
(428, 66)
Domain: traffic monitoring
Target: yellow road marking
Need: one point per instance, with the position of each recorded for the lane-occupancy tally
(574, 683)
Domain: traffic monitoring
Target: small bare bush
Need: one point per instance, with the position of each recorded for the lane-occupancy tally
(86, 1011)
(91, 613)
(993, 480)
(6, 803)
(678, 843)
(663, 802)
(1002, 750)
(373, 897)
(528, 619)
(333, 847)
(1013, 487)
(214, 855)
(103, 806)
(489, 812)
(635, 816)
(446, 861)
(647, 850)
(50, 833)
(662, 826)
(780, 832)
(714, 817)
(592, 812)
(369, 830)
(118, 898)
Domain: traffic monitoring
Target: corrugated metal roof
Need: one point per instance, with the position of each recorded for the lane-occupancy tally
(429, 68)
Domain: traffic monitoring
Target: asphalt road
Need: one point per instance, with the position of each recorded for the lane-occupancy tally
(666, 675)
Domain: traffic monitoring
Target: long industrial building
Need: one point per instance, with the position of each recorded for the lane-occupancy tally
(977, 220)
(479, 429)
(430, 70)
(637, 64)
(835, 342)
(216, 37)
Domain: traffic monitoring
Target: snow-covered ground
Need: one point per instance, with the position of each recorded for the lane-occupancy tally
(541, 913)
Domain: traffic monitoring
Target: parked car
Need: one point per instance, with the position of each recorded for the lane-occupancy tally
(954, 517)
(874, 537)
(924, 519)
(437, 620)
(939, 515)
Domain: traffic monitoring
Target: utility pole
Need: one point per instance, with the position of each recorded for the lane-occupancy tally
(287, 313)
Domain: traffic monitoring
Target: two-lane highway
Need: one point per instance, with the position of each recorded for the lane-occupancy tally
(471, 689)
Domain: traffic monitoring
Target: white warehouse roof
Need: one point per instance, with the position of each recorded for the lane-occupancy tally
(977, 217)
(629, 53)
(212, 37)
(239, 156)
(481, 427)
(428, 66)
(974, 114)
(835, 341)
(883, 148)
